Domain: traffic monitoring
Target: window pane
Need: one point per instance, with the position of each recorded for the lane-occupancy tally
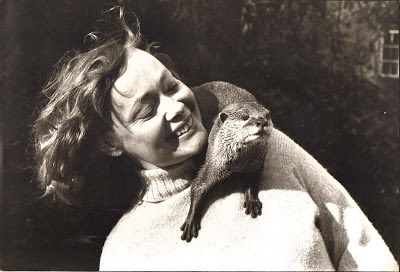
(386, 53)
(394, 68)
(385, 68)
(395, 53)
(390, 53)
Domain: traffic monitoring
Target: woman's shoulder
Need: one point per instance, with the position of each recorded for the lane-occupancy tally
(282, 144)
(212, 97)
(284, 163)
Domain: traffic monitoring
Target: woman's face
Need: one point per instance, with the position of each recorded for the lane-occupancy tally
(156, 118)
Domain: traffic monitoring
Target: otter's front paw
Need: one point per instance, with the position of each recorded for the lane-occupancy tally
(252, 205)
(190, 229)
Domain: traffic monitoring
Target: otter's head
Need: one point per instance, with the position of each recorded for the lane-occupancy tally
(249, 122)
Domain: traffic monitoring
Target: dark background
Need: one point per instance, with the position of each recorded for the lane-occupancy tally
(310, 62)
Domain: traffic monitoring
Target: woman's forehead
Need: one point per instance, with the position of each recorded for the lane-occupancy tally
(142, 72)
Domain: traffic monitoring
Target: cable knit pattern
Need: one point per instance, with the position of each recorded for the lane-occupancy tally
(164, 183)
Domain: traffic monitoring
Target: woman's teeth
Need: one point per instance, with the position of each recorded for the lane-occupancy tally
(185, 127)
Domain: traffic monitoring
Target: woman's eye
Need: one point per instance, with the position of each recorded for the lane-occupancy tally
(173, 88)
(147, 113)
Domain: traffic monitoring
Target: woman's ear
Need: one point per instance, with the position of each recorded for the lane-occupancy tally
(109, 147)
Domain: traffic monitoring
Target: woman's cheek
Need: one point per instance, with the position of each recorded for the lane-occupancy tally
(155, 133)
(187, 97)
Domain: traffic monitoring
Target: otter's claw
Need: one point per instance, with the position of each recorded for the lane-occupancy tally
(253, 206)
(190, 229)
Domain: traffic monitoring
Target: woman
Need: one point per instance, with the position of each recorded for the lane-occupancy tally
(118, 101)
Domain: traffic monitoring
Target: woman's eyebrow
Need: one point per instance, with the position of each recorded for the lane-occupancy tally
(165, 75)
(138, 103)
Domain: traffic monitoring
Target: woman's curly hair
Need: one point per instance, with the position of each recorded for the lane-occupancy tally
(75, 125)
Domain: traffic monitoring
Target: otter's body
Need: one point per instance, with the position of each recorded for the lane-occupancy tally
(237, 144)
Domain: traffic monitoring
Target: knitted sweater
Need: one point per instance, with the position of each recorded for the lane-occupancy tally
(309, 222)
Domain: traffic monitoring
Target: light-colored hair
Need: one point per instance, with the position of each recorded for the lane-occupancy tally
(75, 124)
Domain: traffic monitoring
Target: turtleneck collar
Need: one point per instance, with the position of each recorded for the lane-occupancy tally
(163, 183)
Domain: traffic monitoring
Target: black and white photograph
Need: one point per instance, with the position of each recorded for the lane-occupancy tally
(199, 135)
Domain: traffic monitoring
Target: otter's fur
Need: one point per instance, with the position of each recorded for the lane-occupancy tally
(237, 144)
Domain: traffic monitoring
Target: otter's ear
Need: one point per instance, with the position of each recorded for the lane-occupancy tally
(223, 116)
(109, 148)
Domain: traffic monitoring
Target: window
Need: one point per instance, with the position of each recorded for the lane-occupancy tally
(390, 54)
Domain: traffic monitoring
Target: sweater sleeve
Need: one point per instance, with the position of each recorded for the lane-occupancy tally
(351, 240)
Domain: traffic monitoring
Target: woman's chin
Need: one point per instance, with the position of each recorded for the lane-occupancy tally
(188, 149)
(198, 142)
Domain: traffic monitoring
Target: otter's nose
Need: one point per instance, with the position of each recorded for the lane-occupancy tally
(261, 122)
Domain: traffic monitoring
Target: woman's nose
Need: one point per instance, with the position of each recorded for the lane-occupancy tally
(175, 111)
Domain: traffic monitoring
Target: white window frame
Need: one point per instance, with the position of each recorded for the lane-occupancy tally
(382, 60)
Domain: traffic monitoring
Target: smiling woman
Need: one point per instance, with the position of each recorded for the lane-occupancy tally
(117, 101)
(156, 117)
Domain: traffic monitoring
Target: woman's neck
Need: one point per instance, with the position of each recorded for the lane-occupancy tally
(162, 183)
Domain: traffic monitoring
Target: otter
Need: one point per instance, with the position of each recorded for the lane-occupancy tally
(236, 144)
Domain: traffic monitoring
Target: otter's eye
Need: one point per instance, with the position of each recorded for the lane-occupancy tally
(245, 117)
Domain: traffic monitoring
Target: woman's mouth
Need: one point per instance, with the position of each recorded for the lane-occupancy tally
(183, 129)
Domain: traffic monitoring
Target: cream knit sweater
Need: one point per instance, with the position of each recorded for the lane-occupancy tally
(309, 222)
